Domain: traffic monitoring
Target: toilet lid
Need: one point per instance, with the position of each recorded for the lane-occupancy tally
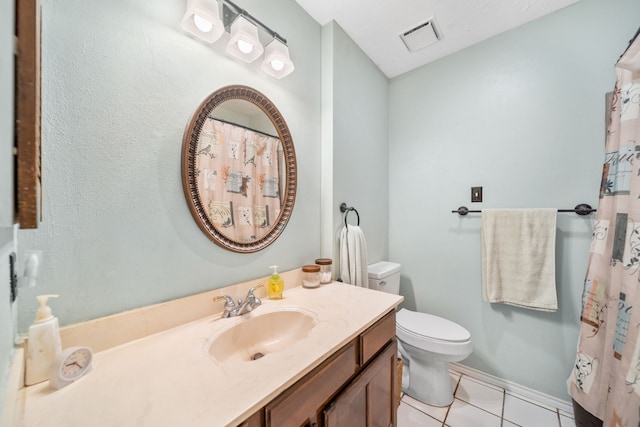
(430, 326)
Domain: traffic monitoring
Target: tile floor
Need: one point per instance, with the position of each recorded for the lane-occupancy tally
(478, 404)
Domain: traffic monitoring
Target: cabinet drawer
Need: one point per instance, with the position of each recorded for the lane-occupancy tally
(302, 401)
(377, 336)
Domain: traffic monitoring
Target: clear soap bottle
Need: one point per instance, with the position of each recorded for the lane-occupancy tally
(275, 286)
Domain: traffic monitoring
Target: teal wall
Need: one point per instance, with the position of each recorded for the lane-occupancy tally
(522, 115)
(357, 107)
(120, 80)
(6, 114)
(7, 243)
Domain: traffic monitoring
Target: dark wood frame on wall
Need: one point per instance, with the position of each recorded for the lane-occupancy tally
(27, 110)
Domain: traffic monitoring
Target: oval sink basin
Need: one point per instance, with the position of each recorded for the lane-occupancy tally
(256, 335)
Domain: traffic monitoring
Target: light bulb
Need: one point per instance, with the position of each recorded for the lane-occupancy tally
(202, 24)
(244, 46)
(277, 65)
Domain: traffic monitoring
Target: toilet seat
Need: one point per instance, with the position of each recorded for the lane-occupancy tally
(430, 327)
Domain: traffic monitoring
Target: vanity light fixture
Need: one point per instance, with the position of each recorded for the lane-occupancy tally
(276, 61)
(244, 42)
(202, 19)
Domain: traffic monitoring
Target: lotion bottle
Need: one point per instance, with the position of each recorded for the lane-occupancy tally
(275, 286)
(43, 344)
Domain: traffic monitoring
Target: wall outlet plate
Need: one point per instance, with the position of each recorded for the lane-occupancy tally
(476, 194)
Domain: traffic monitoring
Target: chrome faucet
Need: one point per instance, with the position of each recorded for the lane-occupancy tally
(230, 309)
(250, 302)
(233, 309)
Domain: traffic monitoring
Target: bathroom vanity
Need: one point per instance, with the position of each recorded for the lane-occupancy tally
(354, 386)
(342, 372)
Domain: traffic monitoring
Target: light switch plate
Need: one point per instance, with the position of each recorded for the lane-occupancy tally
(476, 194)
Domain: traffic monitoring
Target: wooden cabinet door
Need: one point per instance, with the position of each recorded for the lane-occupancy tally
(369, 401)
(299, 405)
(256, 420)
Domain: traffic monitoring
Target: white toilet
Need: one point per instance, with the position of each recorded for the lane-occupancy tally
(426, 343)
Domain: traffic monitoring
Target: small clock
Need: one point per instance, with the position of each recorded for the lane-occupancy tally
(69, 366)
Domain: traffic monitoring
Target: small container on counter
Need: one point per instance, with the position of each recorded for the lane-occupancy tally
(311, 276)
(325, 270)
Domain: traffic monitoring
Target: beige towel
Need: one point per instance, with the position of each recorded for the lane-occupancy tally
(518, 257)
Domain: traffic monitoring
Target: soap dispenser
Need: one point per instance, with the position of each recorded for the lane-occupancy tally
(43, 344)
(275, 286)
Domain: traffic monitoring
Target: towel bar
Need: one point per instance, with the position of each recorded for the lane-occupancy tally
(581, 209)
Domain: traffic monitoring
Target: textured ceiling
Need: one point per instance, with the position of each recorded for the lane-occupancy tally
(375, 25)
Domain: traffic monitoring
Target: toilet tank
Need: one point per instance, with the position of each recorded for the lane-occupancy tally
(385, 276)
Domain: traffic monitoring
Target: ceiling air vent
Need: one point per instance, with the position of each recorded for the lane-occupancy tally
(421, 36)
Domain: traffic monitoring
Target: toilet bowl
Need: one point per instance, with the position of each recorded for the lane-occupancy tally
(426, 343)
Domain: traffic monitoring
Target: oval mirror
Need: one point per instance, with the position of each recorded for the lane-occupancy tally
(239, 169)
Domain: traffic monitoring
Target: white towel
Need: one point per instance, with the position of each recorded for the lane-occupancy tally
(353, 256)
(518, 257)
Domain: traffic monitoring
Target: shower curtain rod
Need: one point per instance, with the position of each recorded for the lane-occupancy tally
(636, 35)
(243, 127)
(581, 209)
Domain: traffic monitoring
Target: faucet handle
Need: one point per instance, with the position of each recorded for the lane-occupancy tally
(229, 305)
(251, 296)
(252, 290)
(229, 301)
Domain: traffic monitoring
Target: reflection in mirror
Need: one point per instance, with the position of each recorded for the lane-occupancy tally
(239, 166)
(239, 169)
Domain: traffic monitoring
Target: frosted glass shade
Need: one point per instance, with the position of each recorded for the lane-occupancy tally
(244, 42)
(276, 61)
(202, 19)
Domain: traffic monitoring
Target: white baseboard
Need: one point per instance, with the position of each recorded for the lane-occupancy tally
(513, 388)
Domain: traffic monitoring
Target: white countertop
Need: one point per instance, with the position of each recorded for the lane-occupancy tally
(169, 379)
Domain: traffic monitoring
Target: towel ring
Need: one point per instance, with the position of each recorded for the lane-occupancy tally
(346, 209)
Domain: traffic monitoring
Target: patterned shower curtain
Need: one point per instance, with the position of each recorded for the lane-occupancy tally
(606, 377)
(238, 173)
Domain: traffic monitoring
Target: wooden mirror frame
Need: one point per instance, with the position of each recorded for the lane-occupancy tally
(189, 181)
